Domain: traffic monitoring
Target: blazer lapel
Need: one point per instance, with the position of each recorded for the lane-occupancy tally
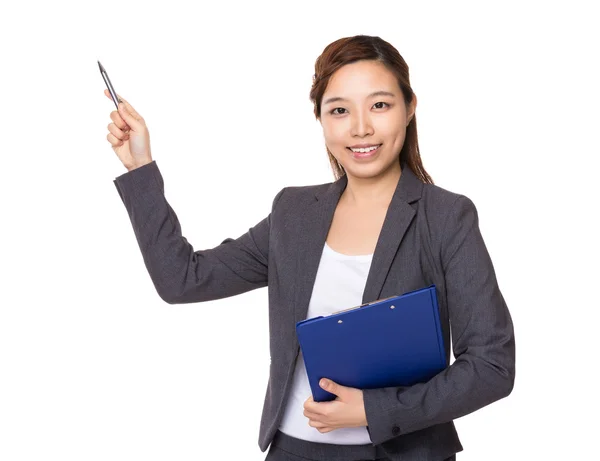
(311, 240)
(397, 220)
(315, 227)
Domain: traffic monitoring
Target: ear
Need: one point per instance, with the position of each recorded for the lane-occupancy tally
(410, 111)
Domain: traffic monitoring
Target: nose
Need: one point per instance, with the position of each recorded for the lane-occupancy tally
(361, 124)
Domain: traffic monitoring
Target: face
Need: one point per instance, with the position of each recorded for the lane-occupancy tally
(352, 115)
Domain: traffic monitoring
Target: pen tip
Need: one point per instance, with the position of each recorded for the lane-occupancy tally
(100, 66)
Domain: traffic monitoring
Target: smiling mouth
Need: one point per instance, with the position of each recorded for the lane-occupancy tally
(370, 147)
(366, 154)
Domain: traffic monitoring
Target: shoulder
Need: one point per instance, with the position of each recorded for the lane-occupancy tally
(441, 204)
(432, 202)
(446, 210)
(445, 220)
(440, 198)
(292, 197)
(307, 191)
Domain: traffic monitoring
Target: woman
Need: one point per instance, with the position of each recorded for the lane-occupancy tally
(382, 228)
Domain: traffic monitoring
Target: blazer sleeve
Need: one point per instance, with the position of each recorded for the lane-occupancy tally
(482, 336)
(180, 274)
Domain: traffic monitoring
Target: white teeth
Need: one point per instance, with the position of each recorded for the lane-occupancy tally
(368, 149)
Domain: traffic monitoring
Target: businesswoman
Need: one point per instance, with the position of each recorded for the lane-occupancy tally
(380, 229)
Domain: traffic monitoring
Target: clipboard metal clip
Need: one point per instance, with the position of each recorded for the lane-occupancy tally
(363, 305)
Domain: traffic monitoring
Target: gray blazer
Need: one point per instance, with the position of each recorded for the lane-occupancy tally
(429, 235)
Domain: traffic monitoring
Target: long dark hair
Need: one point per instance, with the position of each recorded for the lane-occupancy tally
(364, 47)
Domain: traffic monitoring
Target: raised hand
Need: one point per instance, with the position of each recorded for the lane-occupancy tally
(128, 135)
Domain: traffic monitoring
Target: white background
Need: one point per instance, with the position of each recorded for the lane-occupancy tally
(95, 366)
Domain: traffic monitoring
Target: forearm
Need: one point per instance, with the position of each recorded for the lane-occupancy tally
(468, 384)
(179, 273)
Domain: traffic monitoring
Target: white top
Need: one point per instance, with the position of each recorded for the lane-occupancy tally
(339, 284)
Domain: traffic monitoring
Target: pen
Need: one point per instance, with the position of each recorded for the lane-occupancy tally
(109, 85)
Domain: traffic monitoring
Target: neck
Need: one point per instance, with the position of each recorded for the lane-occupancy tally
(374, 191)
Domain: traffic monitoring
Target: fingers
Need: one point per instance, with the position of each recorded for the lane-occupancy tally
(315, 420)
(108, 95)
(116, 116)
(118, 133)
(128, 117)
(130, 109)
(317, 424)
(131, 117)
(128, 106)
(311, 415)
(114, 140)
(324, 430)
(118, 120)
(127, 113)
(321, 427)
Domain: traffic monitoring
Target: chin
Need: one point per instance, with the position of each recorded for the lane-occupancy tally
(368, 170)
(364, 171)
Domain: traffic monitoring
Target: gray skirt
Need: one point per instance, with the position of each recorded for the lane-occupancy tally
(287, 448)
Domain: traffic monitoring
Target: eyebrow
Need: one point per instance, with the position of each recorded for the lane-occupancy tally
(376, 93)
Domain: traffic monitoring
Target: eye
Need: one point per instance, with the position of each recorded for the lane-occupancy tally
(381, 102)
(333, 112)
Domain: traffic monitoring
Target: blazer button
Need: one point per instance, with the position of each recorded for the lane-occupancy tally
(395, 430)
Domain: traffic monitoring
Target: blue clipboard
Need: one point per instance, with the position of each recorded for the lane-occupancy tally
(390, 342)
